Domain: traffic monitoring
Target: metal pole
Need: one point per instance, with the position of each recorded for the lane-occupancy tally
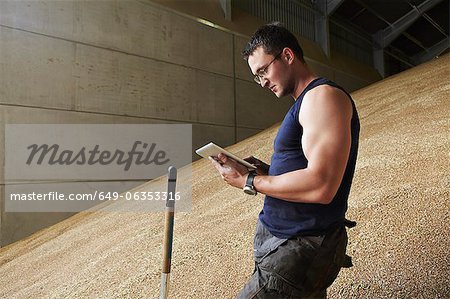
(168, 232)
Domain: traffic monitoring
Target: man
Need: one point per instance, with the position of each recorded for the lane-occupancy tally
(300, 238)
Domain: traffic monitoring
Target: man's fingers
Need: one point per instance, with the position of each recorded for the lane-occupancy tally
(229, 171)
(219, 166)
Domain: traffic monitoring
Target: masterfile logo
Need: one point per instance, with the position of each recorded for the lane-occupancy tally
(86, 163)
(54, 155)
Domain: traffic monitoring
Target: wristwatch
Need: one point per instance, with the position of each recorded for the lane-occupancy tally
(249, 188)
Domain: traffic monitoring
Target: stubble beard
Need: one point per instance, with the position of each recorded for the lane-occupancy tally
(285, 90)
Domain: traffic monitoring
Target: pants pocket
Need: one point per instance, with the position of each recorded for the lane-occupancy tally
(328, 262)
(265, 243)
(292, 260)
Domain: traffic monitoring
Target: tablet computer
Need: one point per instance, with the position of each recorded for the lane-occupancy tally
(212, 149)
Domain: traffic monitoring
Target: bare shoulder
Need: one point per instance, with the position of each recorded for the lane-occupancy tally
(325, 101)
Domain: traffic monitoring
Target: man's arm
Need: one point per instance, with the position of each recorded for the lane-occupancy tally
(326, 120)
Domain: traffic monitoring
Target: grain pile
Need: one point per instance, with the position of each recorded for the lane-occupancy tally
(399, 199)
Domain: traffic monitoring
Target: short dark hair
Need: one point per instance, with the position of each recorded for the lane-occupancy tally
(273, 37)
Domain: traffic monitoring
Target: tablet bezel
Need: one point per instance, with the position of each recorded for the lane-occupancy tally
(212, 149)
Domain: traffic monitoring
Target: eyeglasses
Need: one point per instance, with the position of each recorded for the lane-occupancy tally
(262, 73)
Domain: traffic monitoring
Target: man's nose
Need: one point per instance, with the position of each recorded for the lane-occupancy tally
(264, 82)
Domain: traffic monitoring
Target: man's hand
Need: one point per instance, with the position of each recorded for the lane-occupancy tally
(231, 171)
(261, 167)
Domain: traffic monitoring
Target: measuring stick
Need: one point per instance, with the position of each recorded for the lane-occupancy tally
(168, 232)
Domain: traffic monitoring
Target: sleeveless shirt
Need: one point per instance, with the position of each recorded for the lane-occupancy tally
(285, 219)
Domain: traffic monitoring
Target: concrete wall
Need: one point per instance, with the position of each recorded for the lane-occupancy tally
(114, 62)
(131, 61)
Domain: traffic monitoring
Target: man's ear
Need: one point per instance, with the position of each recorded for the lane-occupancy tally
(288, 54)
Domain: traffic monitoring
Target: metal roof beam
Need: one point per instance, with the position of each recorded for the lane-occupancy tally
(312, 8)
(378, 62)
(435, 25)
(332, 5)
(322, 27)
(433, 51)
(414, 40)
(364, 5)
(388, 35)
(226, 7)
(400, 56)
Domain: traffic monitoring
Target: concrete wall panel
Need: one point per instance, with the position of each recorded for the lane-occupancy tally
(350, 83)
(121, 84)
(131, 26)
(258, 108)
(321, 70)
(16, 226)
(36, 70)
(241, 67)
(243, 133)
(27, 115)
(2, 192)
(46, 72)
(203, 134)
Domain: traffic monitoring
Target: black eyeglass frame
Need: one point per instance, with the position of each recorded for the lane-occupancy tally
(263, 72)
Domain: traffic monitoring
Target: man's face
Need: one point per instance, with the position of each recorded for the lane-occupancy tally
(272, 71)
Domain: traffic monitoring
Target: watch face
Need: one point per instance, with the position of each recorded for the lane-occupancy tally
(249, 190)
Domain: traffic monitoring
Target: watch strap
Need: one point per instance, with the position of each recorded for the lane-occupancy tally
(250, 178)
(249, 188)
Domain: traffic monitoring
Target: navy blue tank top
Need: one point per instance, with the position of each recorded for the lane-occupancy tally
(285, 219)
